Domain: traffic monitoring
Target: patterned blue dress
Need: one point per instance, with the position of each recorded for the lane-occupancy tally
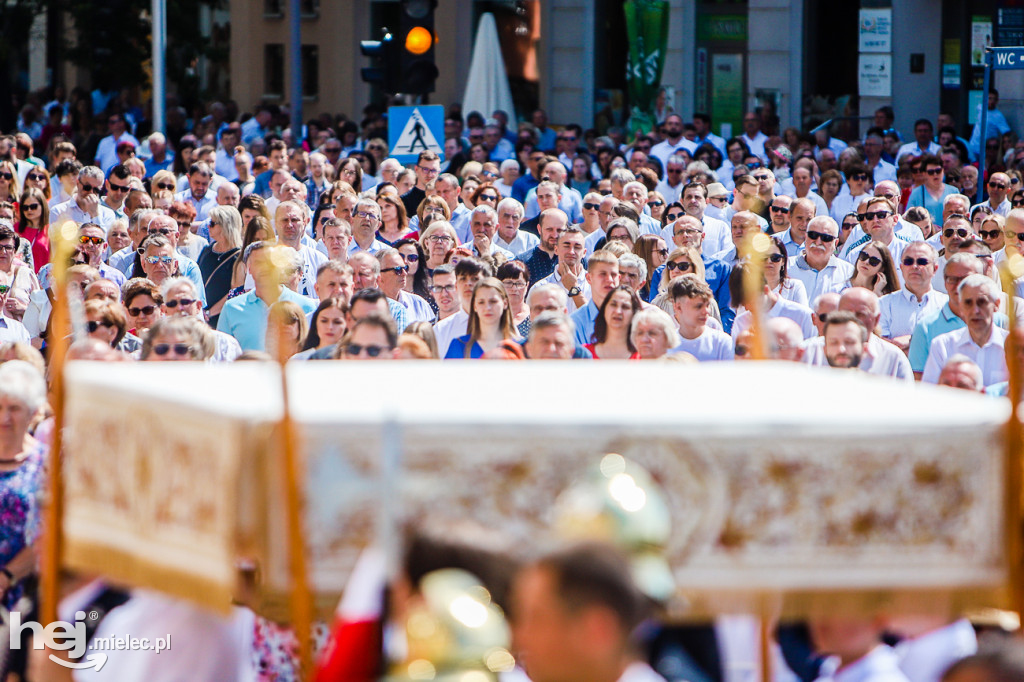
(20, 515)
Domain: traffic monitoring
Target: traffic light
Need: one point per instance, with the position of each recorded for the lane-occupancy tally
(383, 57)
(417, 72)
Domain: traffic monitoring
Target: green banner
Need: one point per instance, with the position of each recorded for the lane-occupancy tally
(647, 28)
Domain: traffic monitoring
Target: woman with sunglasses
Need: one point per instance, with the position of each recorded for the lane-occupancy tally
(656, 202)
(654, 251)
(612, 339)
(875, 270)
(775, 266)
(38, 178)
(486, 194)
(162, 181)
(144, 304)
(991, 230)
(394, 223)
(684, 260)
(176, 339)
(418, 281)
(327, 326)
(1017, 199)
(847, 225)
(107, 322)
(16, 275)
(490, 322)
(217, 260)
(33, 226)
(9, 189)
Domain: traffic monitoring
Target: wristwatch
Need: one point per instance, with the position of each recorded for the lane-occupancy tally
(575, 291)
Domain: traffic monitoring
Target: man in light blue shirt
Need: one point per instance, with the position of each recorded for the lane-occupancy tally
(603, 277)
(245, 316)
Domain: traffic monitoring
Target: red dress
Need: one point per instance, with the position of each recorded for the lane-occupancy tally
(592, 347)
(40, 239)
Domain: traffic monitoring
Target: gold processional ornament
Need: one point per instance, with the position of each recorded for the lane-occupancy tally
(617, 501)
(455, 634)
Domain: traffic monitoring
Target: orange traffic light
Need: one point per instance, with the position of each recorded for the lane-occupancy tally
(419, 40)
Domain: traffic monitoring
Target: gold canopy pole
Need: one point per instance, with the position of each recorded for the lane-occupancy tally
(302, 596)
(1013, 442)
(756, 247)
(63, 246)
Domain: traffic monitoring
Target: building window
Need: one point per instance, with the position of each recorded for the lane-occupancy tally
(309, 9)
(273, 8)
(310, 71)
(273, 70)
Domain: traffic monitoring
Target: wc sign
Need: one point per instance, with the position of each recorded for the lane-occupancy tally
(1006, 58)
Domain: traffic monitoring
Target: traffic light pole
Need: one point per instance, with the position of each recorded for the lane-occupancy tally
(295, 67)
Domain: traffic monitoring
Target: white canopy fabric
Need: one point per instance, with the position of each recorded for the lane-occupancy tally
(487, 86)
(780, 479)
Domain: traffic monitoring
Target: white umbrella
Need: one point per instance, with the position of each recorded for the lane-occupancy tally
(487, 85)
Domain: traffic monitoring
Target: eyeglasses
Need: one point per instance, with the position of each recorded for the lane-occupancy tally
(681, 267)
(398, 269)
(822, 317)
(438, 289)
(372, 351)
(183, 302)
(934, 171)
(908, 261)
(859, 177)
(958, 231)
(428, 171)
(365, 215)
(162, 349)
(820, 237)
(776, 257)
(439, 238)
(988, 234)
(6, 248)
(675, 171)
(153, 260)
(332, 150)
(31, 207)
(144, 310)
(93, 325)
(119, 188)
(410, 257)
(873, 261)
(162, 230)
(591, 207)
(780, 209)
(36, 176)
(165, 185)
(997, 185)
(84, 239)
(513, 284)
(871, 215)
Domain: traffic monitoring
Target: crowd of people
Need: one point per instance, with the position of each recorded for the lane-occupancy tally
(231, 237)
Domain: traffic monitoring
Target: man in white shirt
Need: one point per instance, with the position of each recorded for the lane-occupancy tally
(881, 169)
(702, 124)
(998, 188)
(923, 142)
(85, 206)
(954, 232)
(224, 163)
(468, 272)
(817, 266)
(483, 225)
(753, 136)
(779, 213)
(903, 309)
(635, 194)
(844, 341)
(199, 176)
(365, 221)
(672, 139)
(509, 236)
(981, 340)
(801, 212)
(290, 221)
(671, 187)
(691, 304)
(569, 273)
(717, 234)
(746, 198)
(106, 152)
(880, 222)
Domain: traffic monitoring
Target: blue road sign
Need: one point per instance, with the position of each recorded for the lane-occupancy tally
(1006, 58)
(415, 129)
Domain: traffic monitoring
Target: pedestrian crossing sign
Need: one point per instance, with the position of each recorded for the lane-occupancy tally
(416, 129)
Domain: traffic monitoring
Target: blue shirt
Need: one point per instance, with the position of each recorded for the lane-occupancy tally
(940, 322)
(522, 186)
(584, 319)
(716, 274)
(245, 317)
(153, 166)
(922, 197)
(457, 349)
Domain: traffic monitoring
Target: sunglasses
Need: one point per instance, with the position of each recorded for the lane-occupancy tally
(163, 230)
(871, 215)
(88, 189)
(93, 325)
(873, 261)
(7, 176)
(410, 257)
(164, 185)
(655, 203)
(144, 310)
(119, 188)
(36, 176)
(681, 267)
(822, 317)
(398, 270)
(31, 207)
(741, 350)
(372, 351)
(988, 234)
(1018, 235)
(153, 260)
(997, 185)
(1016, 203)
(776, 258)
(672, 217)
(934, 171)
(780, 209)
(183, 302)
(820, 237)
(859, 177)
(90, 240)
(162, 349)
(958, 231)
(908, 261)
(755, 165)
(591, 207)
